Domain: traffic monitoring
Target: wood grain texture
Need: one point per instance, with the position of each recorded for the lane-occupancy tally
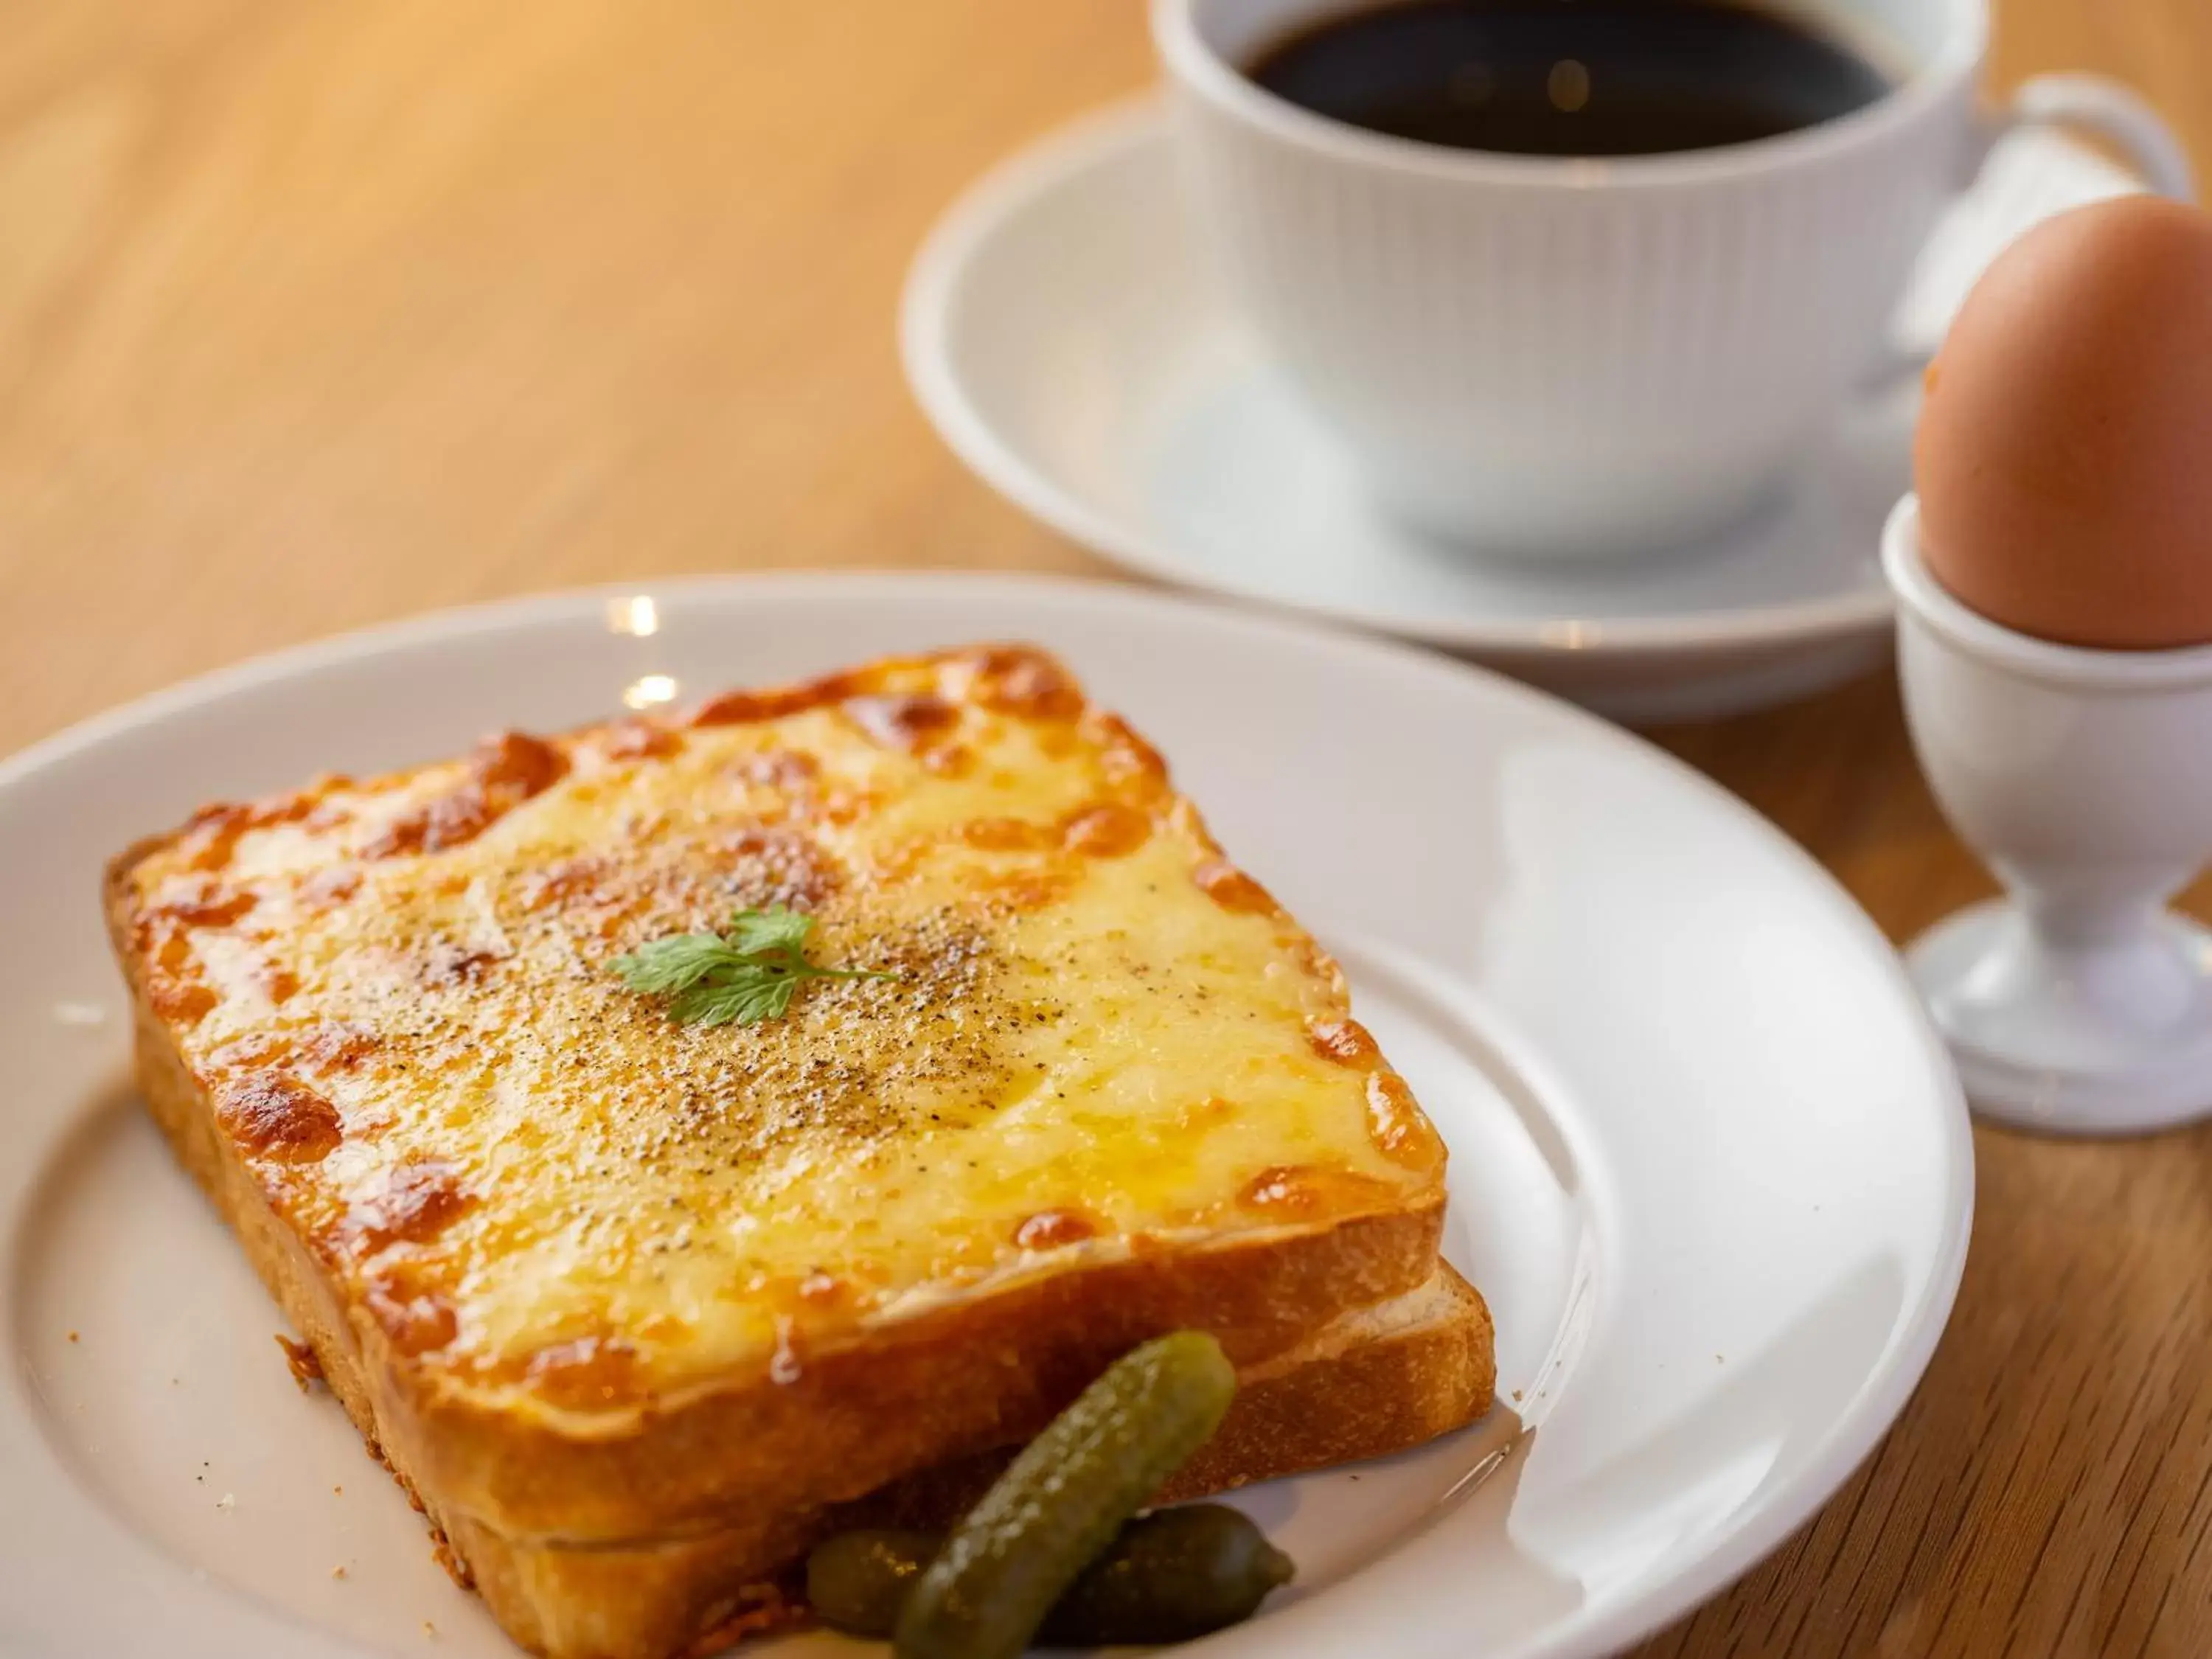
(313, 314)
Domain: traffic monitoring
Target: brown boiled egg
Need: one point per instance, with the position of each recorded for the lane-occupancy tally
(2064, 454)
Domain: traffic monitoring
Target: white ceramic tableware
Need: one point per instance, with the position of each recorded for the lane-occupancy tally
(1542, 356)
(2079, 1003)
(1065, 332)
(1708, 1163)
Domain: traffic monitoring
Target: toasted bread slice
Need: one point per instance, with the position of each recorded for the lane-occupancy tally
(589, 1276)
(1377, 1380)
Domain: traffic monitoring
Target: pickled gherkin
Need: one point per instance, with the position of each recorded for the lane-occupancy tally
(1062, 1501)
(857, 1582)
(1170, 1577)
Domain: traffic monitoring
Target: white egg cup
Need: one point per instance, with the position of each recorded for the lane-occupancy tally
(2078, 1004)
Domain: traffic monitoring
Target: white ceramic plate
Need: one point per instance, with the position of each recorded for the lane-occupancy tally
(1064, 329)
(1707, 1163)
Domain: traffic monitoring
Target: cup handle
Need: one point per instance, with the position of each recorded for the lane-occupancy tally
(2103, 109)
(2085, 103)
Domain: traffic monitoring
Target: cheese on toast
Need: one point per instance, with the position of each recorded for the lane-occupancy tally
(595, 1278)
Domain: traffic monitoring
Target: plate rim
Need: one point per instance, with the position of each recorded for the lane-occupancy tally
(1856, 1432)
(1061, 155)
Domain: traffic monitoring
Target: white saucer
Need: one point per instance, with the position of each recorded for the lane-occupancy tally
(1708, 1163)
(1064, 330)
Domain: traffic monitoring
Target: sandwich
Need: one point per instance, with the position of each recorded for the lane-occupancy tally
(677, 1139)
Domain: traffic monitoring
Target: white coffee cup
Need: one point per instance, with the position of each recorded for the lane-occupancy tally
(1540, 355)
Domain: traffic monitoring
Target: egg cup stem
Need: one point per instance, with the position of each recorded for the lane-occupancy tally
(2106, 1033)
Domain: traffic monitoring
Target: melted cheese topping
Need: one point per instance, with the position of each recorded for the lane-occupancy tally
(397, 995)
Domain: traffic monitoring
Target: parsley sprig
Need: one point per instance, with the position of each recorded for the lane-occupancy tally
(740, 977)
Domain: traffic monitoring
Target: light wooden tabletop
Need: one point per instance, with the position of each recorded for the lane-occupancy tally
(315, 314)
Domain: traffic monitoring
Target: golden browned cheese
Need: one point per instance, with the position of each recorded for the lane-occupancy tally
(1101, 1038)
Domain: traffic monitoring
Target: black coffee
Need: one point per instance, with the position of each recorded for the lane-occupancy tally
(1570, 77)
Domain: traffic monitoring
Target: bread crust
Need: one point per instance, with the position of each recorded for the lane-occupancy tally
(1376, 1397)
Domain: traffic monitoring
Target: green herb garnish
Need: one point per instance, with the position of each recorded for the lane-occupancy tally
(736, 978)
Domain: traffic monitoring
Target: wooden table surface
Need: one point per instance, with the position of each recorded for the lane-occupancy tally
(313, 314)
